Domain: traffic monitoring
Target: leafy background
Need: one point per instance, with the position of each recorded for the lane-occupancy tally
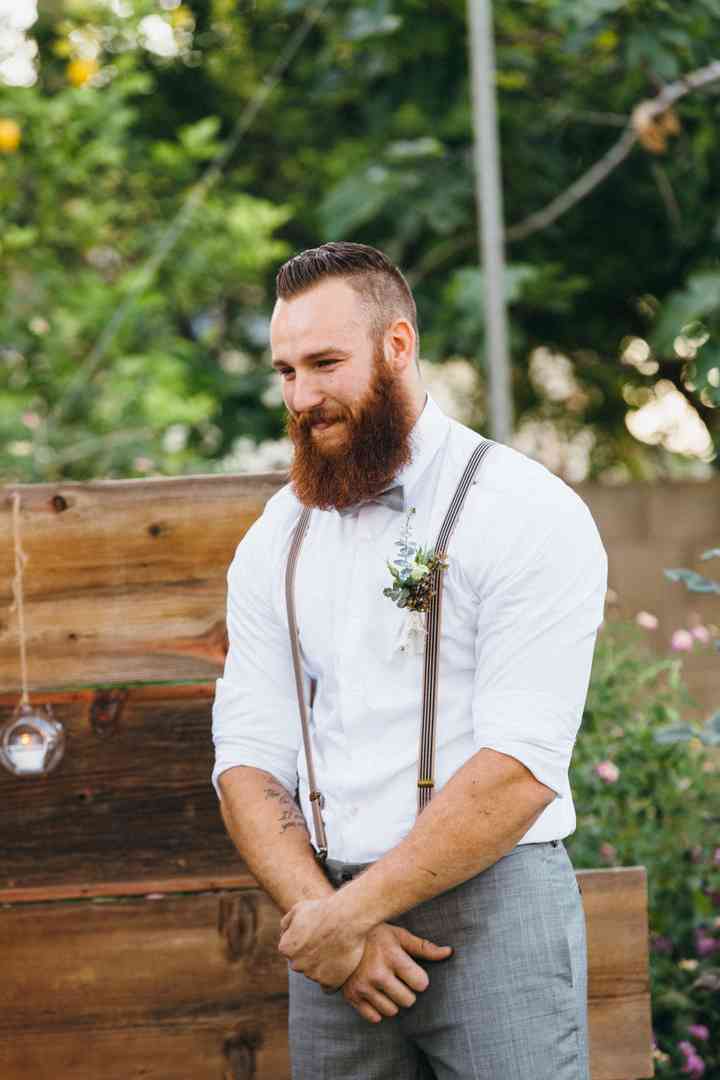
(118, 362)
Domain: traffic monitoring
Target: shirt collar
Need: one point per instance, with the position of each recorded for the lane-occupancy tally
(426, 438)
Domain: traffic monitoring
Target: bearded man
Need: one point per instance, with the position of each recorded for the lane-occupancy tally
(454, 936)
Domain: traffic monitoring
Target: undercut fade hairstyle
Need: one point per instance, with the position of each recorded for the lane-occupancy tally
(382, 288)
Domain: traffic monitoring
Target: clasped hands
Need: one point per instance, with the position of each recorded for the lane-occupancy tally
(374, 967)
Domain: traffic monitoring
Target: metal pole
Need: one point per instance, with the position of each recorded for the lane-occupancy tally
(488, 197)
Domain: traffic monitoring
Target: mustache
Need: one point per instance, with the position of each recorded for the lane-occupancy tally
(307, 420)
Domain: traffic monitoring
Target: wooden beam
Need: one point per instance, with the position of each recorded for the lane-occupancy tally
(125, 579)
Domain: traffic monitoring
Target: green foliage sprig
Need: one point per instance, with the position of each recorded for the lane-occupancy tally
(413, 572)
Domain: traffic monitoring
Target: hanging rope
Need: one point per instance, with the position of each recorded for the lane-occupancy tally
(20, 560)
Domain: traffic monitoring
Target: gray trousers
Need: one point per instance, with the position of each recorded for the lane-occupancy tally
(509, 1004)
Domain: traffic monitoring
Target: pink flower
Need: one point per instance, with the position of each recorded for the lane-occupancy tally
(699, 1031)
(682, 641)
(607, 771)
(661, 944)
(716, 856)
(705, 944)
(694, 1065)
(701, 634)
(646, 620)
(31, 420)
(608, 853)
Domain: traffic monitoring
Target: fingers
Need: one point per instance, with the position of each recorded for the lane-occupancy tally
(388, 978)
(367, 1012)
(421, 947)
(372, 1003)
(398, 992)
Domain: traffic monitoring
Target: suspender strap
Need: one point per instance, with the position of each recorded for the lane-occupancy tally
(316, 799)
(426, 754)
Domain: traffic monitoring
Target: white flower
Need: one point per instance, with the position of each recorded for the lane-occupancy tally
(418, 572)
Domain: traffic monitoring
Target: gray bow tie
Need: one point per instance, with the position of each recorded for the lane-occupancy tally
(392, 497)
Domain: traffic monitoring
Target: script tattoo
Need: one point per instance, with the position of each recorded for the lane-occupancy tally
(290, 813)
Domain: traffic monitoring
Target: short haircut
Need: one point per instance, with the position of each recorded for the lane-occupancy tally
(382, 288)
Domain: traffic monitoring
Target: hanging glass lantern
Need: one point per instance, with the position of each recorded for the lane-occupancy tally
(32, 742)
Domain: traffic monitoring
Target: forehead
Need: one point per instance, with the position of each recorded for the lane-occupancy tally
(331, 312)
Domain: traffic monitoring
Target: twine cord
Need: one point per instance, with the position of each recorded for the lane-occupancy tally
(20, 561)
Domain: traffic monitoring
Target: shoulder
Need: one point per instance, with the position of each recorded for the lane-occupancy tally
(261, 544)
(516, 486)
(518, 510)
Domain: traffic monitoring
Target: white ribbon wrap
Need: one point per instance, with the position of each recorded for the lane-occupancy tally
(411, 637)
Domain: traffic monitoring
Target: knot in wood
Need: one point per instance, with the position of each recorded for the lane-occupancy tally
(239, 1052)
(105, 711)
(237, 924)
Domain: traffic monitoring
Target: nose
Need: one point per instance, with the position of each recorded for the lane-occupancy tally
(303, 393)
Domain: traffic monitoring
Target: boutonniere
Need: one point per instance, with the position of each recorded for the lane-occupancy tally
(412, 586)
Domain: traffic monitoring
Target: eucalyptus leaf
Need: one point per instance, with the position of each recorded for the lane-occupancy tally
(693, 581)
(679, 733)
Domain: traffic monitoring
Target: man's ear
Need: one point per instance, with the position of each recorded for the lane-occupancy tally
(399, 345)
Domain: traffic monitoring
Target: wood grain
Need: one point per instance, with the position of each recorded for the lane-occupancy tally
(615, 903)
(134, 806)
(125, 579)
(161, 969)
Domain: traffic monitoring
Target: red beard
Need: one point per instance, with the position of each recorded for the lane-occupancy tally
(374, 446)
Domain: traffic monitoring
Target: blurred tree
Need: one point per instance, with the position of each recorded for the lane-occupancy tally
(117, 362)
(614, 302)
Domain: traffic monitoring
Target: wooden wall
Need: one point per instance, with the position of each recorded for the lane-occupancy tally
(135, 942)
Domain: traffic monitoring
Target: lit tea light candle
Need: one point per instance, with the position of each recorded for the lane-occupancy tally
(32, 742)
(27, 752)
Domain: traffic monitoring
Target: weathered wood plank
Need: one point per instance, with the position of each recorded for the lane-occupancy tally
(125, 579)
(615, 903)
(248, 1042)
(150, 967)
(137, 961)
(134, 805)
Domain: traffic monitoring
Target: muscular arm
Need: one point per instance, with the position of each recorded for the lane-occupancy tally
(269, 831)
(478, 817)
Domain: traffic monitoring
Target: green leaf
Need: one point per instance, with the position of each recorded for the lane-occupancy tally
(680, 733)
(693, 581)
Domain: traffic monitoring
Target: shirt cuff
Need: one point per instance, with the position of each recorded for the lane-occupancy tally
(545, 767)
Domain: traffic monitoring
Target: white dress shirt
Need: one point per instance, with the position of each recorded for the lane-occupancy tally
(523, 600)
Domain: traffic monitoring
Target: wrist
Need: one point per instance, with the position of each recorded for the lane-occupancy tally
(352, 908)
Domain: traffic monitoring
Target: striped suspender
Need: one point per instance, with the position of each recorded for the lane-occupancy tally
(426, 756)
(316, 799)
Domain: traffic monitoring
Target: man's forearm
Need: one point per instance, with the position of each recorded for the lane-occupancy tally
(269, 830)
(478, 816)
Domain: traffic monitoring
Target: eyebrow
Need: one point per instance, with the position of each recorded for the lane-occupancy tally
(319, 354)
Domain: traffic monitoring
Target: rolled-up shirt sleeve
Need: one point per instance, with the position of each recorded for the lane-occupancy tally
(255, 713)
(536, 634)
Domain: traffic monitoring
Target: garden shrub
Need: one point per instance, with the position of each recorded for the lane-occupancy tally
(646, 783)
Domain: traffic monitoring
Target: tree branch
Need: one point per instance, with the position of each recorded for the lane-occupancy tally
(617, 153)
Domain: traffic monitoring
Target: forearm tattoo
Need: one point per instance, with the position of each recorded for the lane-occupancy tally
(291, 816)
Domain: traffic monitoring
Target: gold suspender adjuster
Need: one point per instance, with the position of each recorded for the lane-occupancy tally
(426, 783)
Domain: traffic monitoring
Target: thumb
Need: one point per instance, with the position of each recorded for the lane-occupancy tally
(421, 947)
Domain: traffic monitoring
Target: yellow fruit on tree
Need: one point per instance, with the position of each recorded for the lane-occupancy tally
(10, 136)
(80, 71)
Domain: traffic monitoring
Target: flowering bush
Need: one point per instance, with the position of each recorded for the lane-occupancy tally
(647, 792)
